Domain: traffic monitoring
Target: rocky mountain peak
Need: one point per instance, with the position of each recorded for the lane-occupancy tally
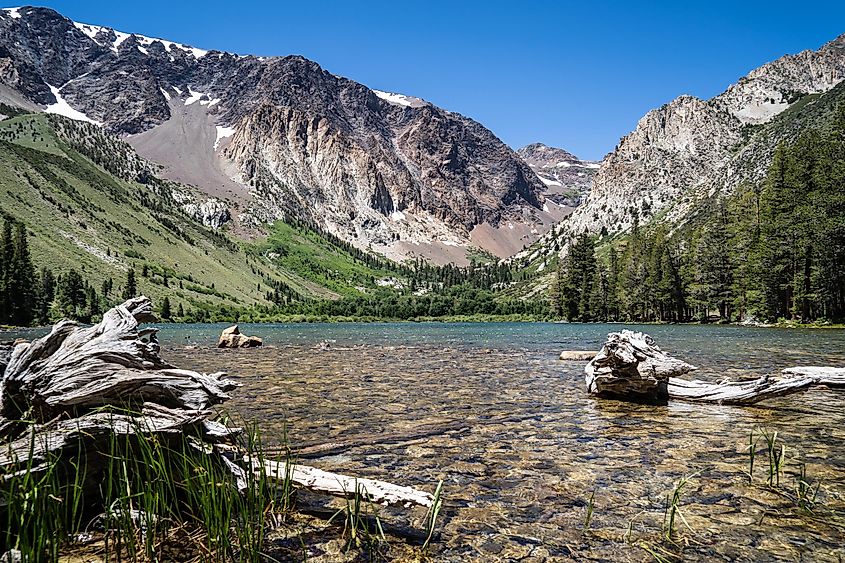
(568, 179)
(690, 149)
(538, 154)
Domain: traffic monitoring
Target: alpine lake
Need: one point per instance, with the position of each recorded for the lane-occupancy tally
(533, 469)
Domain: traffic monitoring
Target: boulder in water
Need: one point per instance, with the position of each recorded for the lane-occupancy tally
(232, 338)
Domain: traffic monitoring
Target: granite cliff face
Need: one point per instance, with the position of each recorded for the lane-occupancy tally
(690, 149)
(280, 136)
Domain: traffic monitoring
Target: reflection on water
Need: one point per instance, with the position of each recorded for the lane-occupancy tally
(491, 411)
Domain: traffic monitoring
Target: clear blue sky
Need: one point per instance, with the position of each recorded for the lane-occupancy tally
(572, 74)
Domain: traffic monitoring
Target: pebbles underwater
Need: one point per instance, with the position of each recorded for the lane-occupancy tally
(521, 447)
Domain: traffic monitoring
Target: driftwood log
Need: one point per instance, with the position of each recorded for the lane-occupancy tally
(630, 366)
(79, 386)
(577, 355)
(828, 376)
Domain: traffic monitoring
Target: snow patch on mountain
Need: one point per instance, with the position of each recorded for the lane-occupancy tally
(61, 107)
(94, 31)
(222, 133)
(193, 96)
(13, 12)
(399, 99)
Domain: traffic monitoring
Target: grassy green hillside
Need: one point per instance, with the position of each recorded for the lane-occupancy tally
(81, 216)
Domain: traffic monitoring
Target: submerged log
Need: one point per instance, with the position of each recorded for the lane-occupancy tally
(631, 366)
(577, 355)
(79, 386)
(319, 481)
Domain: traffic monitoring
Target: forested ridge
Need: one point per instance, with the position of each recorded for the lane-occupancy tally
(771, 251)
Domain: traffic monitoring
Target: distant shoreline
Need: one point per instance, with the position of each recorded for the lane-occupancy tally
(474, 319)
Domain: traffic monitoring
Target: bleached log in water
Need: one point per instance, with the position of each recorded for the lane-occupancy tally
(736, 392)
(577, 355)
(334, 484)
(822, 375)
(631, 367)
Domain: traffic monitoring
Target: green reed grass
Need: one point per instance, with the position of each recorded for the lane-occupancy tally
(147, 493)
(148, 487)
(433, 513)
(776, 457)
(806, 492)
(588, 517)
(673, 507)
(362, 527)
(752, 455)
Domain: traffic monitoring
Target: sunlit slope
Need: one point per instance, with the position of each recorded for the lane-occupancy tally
(81, 216)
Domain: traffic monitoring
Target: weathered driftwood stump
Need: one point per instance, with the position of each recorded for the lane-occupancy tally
(66, 394)
(630, 366)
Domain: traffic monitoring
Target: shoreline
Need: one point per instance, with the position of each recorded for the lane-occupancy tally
(469, 319)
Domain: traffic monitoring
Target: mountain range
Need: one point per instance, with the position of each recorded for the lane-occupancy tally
(266, 138)
(221, 146)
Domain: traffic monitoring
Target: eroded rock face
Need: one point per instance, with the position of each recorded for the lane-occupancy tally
(232, 338)
(370, 167)
(212, 213)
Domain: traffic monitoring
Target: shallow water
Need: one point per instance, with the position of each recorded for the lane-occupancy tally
(490, 409)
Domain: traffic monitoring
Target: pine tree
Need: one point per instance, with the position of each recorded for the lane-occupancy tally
(579, 280)
(714, 265)
(45, 295)
(165, 308)
(131, 289)
(554, 293)
(20, 286)
(7, 251)
(70, 296)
